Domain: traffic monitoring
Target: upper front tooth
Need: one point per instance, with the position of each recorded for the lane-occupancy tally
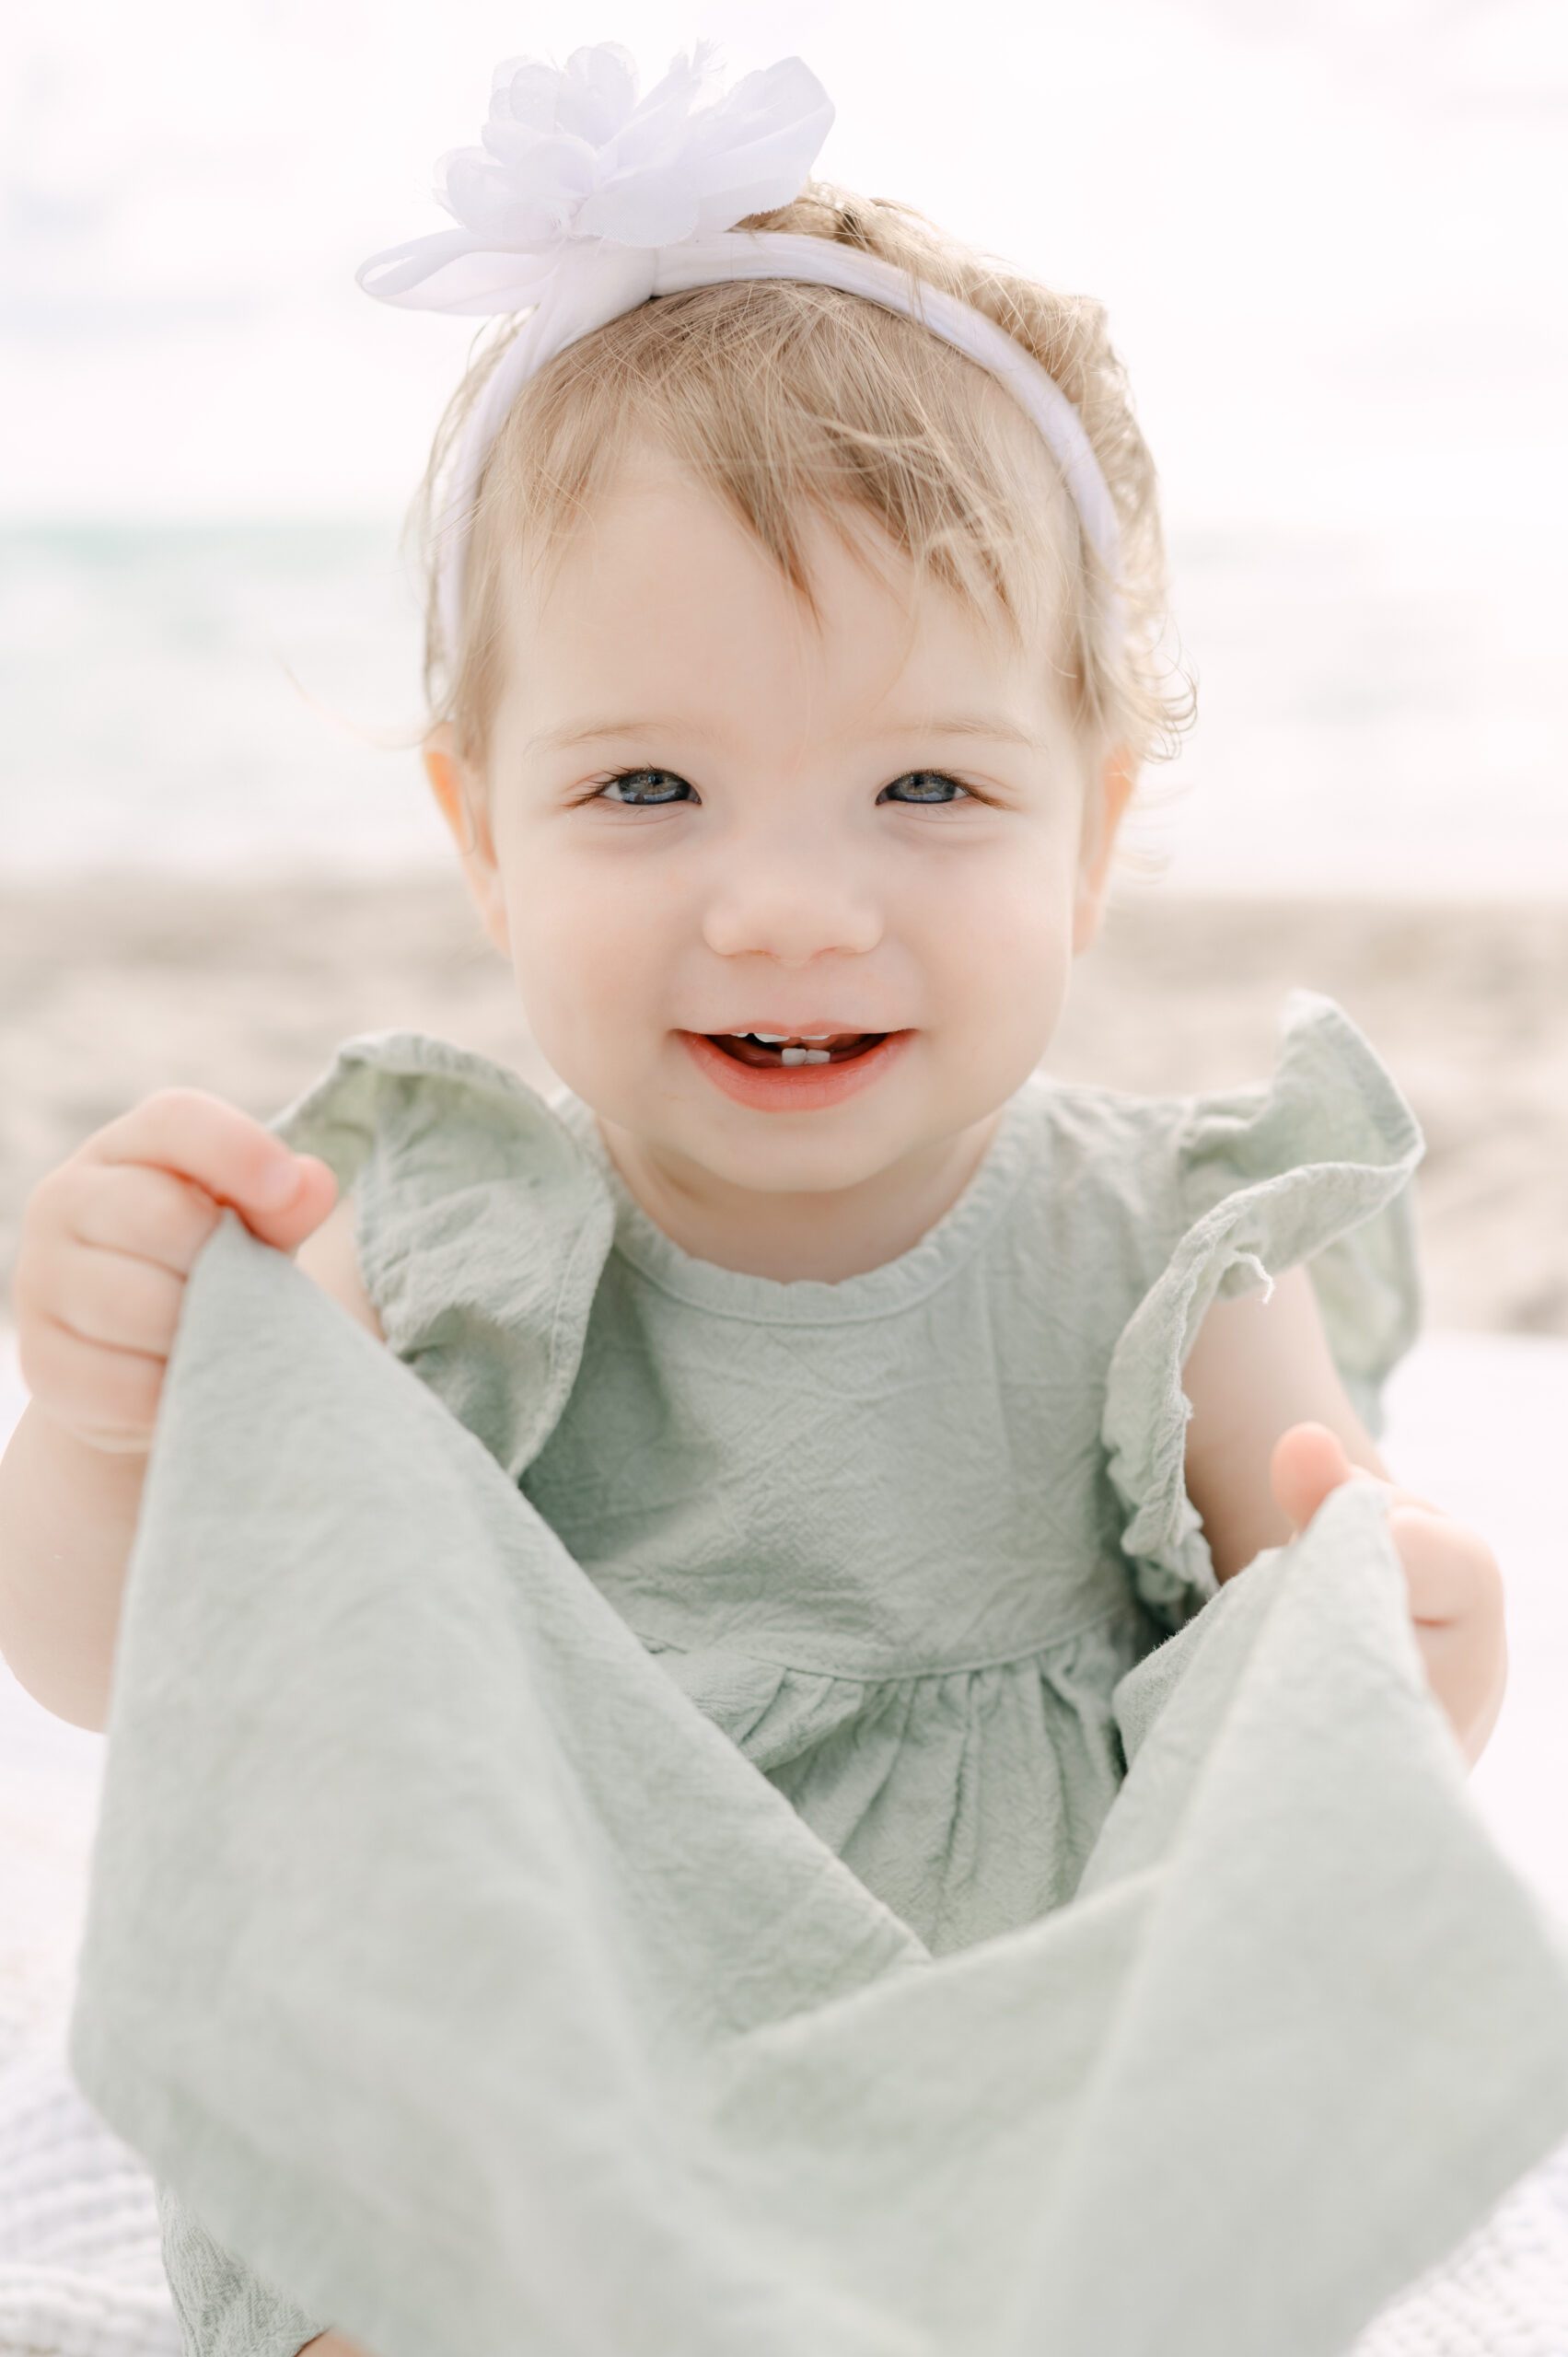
(768, 1038)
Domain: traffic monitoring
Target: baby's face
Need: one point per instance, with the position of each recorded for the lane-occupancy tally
(710, 823)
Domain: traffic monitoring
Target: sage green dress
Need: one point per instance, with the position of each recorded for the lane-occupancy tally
(902, 1539)
(873, 1529)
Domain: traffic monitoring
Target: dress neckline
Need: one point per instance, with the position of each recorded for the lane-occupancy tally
(927, 1264)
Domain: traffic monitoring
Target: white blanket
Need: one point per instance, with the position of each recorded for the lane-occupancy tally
(1477, 1423)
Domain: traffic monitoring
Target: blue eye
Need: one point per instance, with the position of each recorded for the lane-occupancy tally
(926, 789)
(643, 789)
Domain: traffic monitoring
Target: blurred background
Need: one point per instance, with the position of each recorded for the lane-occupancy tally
(1329, 235)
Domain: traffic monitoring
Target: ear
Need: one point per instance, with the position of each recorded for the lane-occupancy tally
(1104, 802)
(459, 790)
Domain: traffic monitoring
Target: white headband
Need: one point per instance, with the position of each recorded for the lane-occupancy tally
(582, 204)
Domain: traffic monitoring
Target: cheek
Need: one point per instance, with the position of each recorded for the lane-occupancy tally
(586, 938)
(1000, 933)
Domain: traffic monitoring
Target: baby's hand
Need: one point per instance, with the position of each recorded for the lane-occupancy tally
(108, 1238)
(1455, 1589)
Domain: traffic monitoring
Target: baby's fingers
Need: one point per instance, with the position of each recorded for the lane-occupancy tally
(1307, 1463)
(118, 1301)
(1456, 1599)
(281, 1196)
(1450, 1571)
(105, 1396)
(130, 1208)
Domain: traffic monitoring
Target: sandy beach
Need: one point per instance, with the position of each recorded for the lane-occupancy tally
(115, 986)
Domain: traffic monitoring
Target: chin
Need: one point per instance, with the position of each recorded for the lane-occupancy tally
(802, 1160)
(780, 1178)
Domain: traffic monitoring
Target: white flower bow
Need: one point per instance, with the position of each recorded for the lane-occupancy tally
(571, 160)
(582, 202)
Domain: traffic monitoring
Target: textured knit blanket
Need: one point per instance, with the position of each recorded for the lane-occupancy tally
(80, 2274)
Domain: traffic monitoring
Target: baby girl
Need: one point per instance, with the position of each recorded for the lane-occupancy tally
(795, 652)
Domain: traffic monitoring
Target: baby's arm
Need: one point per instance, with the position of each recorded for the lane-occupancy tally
(107, 1240)
(1272, 1432)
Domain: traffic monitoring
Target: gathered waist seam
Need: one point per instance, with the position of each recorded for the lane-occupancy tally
(1125, 1608)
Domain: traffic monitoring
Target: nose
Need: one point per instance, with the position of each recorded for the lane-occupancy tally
(791, 896)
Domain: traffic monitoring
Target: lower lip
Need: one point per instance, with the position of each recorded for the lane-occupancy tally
(794, 1089)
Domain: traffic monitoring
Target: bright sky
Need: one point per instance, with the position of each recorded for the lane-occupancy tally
(1331, 235)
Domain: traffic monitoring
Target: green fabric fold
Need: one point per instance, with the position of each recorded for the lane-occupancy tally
(470, 1986)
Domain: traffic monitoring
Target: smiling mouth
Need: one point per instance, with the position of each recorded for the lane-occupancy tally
(768, 1052)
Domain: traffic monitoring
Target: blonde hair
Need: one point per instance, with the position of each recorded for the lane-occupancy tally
(792, 401)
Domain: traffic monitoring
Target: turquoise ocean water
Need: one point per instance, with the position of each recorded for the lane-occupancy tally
(1373, 719)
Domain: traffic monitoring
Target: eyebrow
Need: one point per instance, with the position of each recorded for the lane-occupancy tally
(588, 732)
(979, 725)
(990, 725)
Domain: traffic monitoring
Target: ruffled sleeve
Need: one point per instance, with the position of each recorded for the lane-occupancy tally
(1313, 1166)
(482, 1225)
